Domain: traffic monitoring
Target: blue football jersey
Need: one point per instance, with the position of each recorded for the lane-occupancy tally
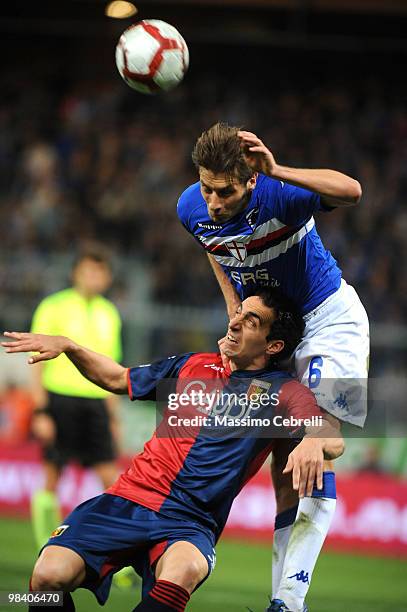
(273, 242)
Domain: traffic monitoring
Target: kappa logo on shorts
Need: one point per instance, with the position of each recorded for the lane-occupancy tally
(59, 531)
(341, 401)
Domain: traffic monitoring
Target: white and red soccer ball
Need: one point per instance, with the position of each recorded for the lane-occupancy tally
(151, 56)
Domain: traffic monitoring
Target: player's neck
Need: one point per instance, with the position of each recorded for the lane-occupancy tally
(242, 364)
(244, 203)
(86, 295)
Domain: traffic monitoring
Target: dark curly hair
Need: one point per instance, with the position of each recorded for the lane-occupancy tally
(288, 325)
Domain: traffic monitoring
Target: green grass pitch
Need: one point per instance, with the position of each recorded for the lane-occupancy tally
(341, 583)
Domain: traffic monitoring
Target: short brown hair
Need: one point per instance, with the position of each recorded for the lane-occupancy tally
(218, 150)
(95, 252)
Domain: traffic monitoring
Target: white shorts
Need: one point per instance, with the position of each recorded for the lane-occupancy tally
(333, 357)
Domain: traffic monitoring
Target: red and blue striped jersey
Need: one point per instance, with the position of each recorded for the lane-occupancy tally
(194, 473)
(272, 242)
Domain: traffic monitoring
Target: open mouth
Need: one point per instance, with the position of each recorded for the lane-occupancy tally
(231, 339)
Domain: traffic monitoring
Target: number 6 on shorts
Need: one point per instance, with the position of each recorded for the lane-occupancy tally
(315, 374)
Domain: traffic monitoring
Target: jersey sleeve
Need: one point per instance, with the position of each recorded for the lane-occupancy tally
(293, 205)
(143, 379)
(298, 402)
(182, 212)
(188, 203)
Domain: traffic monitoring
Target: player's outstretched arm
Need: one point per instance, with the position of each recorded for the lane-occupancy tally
(335, 188)
(97, 368)
(232, 299)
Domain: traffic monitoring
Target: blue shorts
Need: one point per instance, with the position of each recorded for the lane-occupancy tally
(110, 532)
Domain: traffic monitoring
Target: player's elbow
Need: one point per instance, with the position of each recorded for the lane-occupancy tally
(355, 192)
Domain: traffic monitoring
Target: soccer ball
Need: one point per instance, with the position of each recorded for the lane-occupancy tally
(151, 56)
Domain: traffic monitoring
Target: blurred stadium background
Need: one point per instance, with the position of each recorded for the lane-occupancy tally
(83, 157)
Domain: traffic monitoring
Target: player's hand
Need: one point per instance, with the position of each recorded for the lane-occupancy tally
(233, 307)
(225, 358)
(257, 155)
(47, 347)
(306, 462)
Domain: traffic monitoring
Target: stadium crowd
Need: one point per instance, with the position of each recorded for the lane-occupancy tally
(99, 162)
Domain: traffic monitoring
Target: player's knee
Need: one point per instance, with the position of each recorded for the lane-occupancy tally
(53, 575)
(183, 564)
(47, 578)
(193, 572)
(190, 573)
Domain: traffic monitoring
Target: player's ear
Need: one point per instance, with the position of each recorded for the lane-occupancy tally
(251, 183)
(274, 346)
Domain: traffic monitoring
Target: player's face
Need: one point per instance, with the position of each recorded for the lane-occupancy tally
(91, 277)
(225, 196)
(246, 343)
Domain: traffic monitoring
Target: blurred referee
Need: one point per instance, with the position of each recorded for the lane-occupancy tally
(73, 418)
